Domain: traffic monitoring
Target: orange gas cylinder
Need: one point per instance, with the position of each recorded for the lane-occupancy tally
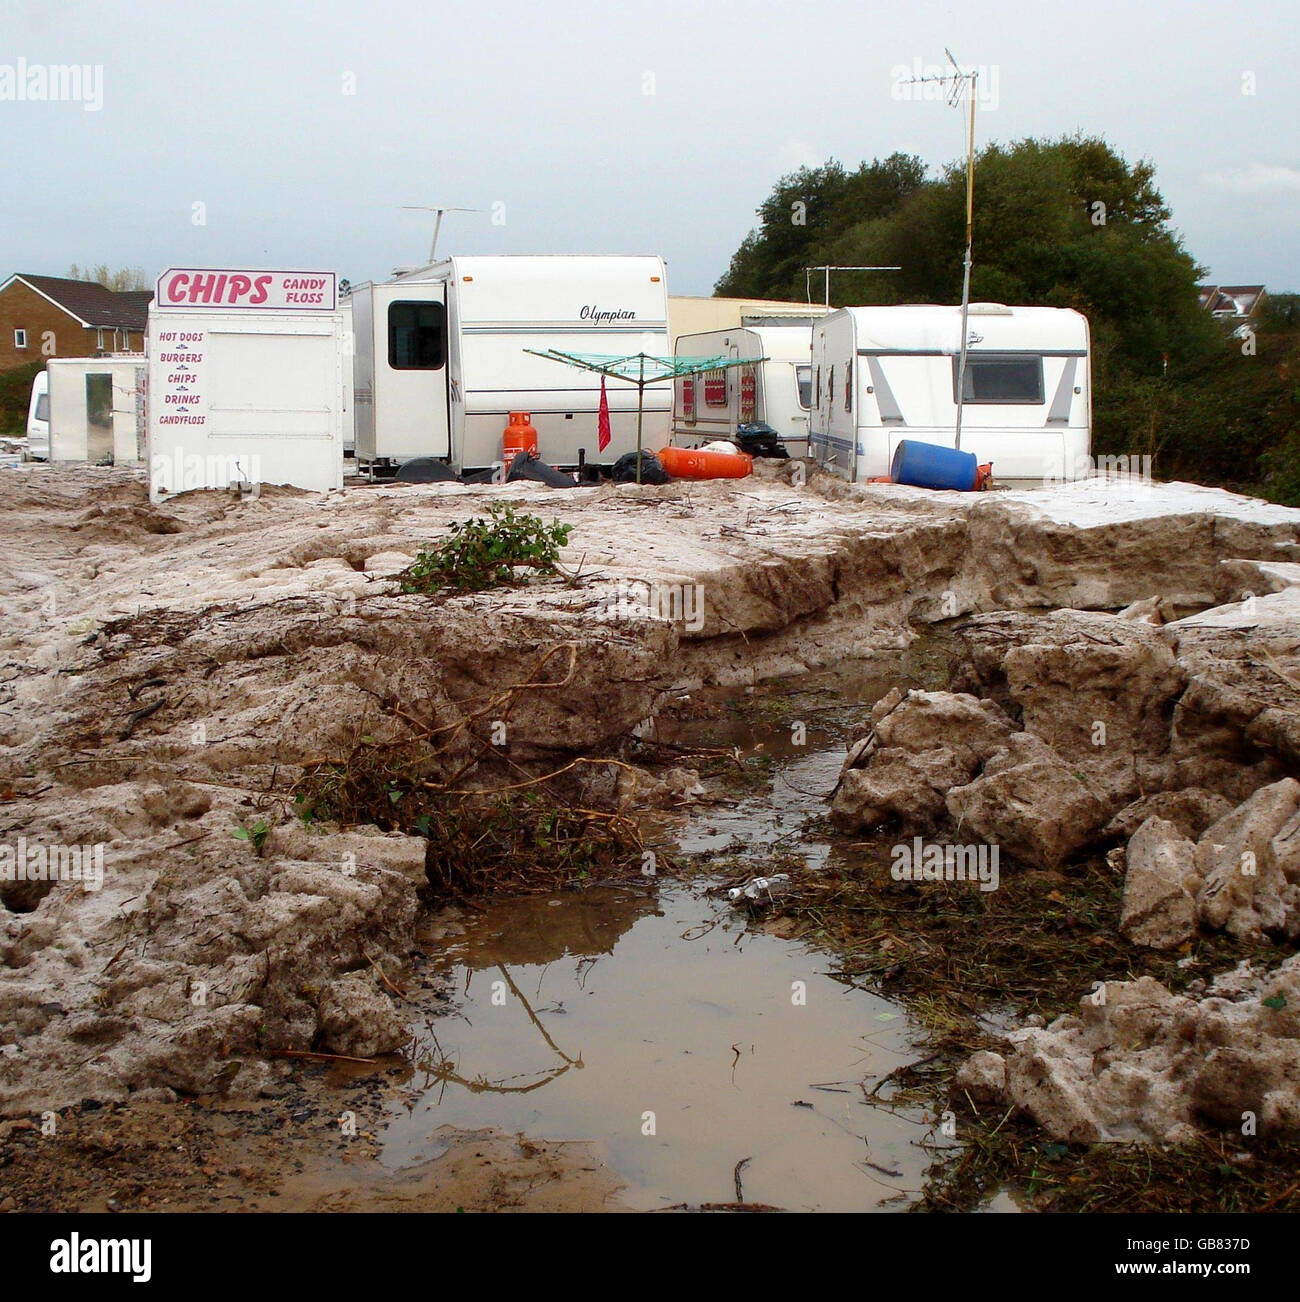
(519, 436)
(695, 463)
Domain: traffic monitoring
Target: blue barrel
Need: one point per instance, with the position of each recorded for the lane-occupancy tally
(927, 465)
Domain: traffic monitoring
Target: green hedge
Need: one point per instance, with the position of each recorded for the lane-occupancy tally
(16, 396)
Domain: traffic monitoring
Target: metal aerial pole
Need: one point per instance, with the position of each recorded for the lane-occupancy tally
(960, 79)
(966, 263)
(640, 408)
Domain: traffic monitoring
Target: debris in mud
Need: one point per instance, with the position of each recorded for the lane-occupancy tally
(760, 890)
(488, 823)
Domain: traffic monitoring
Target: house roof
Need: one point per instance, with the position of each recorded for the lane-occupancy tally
(91, 303)
(1233, 300)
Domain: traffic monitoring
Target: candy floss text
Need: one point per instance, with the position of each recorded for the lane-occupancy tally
(246, 289)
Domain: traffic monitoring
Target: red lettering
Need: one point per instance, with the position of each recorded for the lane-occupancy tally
(176, 287)
(201, 289)
(259, 291)
(239, 286)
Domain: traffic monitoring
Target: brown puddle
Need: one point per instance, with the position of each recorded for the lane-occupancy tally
(579, 1014)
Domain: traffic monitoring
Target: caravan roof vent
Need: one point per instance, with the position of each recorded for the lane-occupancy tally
(990, 309)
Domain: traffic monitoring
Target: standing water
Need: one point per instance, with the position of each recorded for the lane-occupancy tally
(708, 1062)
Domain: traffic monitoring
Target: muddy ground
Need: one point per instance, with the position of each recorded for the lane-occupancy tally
(178, 678)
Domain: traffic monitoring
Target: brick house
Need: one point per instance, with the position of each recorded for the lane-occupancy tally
(47, 316)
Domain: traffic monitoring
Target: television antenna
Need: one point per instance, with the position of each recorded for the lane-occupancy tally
(956, 81)
(828, 268)
(441, 210)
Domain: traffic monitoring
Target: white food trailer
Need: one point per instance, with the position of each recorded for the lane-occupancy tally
(776, 389)
(440, 361)
(884, 374)
(249, 380)
(95, 408)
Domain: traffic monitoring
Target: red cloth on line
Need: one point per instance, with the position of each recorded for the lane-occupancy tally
(602, 419)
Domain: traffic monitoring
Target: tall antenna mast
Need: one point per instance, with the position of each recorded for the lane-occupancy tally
(957, 80)
(440, 209)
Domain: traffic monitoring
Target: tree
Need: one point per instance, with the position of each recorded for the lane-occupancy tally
(1064, 222)
(806, 211)
(127, 278)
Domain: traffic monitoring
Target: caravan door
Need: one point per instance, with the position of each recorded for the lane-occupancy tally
(411, 395)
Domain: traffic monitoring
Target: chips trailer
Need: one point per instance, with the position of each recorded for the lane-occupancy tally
(249, 380)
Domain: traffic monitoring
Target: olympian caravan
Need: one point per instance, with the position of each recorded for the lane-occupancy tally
(776, 389)
(248, 380)
(885, 374)
(440, 361)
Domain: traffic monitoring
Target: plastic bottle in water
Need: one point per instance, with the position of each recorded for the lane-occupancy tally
(761, 888)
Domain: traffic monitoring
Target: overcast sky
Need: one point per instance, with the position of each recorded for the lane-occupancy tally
(302, 128)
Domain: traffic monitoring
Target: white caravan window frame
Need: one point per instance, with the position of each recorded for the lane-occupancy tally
(976, 362)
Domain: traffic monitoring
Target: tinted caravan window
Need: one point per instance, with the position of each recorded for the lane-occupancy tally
(804, 374)
(1000, 379)
(416, 336)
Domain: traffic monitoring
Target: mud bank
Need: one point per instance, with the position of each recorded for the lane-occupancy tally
(169, 673)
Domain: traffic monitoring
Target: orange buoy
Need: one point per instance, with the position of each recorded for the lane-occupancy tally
(519, 436)
(695, 463)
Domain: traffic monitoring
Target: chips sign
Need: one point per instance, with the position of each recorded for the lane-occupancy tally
(241, 290)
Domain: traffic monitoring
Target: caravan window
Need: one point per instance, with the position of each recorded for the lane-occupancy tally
(803, 374)
(1004, 378)
(416, 338)
(848, 387)
(42, 407)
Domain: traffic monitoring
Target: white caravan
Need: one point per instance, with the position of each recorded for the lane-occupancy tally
(249, 376)
(440, 360)
(38, 418)
(96, 409)
(776, 390)
(885, 374)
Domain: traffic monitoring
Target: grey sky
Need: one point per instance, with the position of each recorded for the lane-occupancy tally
(543, 109)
